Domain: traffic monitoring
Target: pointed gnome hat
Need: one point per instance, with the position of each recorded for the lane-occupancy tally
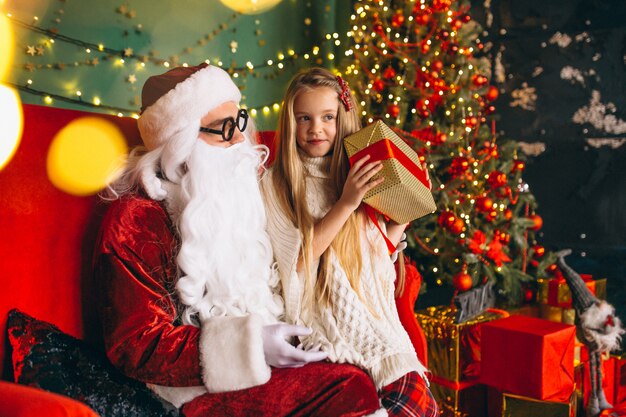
(582, 297)
(173, 105)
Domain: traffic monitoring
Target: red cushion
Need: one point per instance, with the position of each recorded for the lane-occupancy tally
(21, 401)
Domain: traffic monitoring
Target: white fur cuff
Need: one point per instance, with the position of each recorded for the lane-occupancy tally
(231, 353)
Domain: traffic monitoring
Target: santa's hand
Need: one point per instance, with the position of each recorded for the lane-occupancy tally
(279, 353)
(401, 246)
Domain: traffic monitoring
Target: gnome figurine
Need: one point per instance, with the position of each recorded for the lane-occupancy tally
(597, 328)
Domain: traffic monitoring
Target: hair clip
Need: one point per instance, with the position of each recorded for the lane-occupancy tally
(344, 96)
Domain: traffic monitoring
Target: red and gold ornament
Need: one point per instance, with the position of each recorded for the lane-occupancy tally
(518, 165)
(389, 73)
(393, 110)
(492, 93)
(378, 85)
(459, 165)
(537, 222)
(462, 281)
(483, 204)
(398, 19)
(538, 251)
(479, 80)
(496, 179)
(441, 5)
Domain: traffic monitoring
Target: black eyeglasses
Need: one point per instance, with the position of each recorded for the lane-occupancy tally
(228, 129)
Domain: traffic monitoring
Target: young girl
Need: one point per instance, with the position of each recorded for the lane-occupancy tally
(335, 270)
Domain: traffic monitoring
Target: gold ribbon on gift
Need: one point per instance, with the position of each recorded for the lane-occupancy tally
(453, 349)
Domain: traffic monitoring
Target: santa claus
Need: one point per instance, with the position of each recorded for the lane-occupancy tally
(191, 303)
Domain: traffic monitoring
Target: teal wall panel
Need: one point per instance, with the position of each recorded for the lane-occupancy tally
(160, 31)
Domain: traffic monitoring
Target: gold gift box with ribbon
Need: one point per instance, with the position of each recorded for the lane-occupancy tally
(555, 291)
(520, 406)
(404, 195)
(453, 349)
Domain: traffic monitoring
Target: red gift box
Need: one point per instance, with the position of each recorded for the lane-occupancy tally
(529, 356)
(620, 380)
(459, 399)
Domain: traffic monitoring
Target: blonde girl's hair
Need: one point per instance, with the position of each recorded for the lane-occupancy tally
(289, 179)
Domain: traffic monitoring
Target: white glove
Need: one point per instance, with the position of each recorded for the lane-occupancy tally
(401, 246)
(279, 353)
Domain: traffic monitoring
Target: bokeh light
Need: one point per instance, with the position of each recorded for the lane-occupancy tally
(250, 6)
(86, 155)
(7, 46)
(11, 122)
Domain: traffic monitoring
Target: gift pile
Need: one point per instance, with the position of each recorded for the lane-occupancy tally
(529, 363)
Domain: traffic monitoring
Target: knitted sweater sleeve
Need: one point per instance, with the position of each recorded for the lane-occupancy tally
(286, 242)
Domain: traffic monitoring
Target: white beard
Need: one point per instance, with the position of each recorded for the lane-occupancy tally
(225, 259)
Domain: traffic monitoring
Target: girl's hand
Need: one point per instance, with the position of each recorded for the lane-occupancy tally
(360, 181)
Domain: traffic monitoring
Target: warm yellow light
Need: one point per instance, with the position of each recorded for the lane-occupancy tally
(86, 155)
(11, 122)
(250, 6)
(7, 46)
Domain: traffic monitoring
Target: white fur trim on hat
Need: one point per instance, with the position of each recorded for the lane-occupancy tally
(176, 115)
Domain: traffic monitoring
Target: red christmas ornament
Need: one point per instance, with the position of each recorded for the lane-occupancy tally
(538, 251)
(471, 122)
(465, 18)
(490, 109)
(446, 219)
(378, 28)
(393, 110)
(537, 222)
(479, 80)
(492, 93)
(529, 295)
(389, 73)
(491, 216)
(508, 214)
(453, 49)
(483, 204)
(437, 65)
(502, 236)
(462, 281)
(378, 85)
(456, 24)
(421, 17)
(496, 179)
(552, 268)
(425, 47)
(397, 20)
(441, 5)
(459, 165)
(457, 226)
(440, 138)
(518, 165)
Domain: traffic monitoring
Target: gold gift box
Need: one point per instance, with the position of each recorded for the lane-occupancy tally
(401, 197)
(470, 401)
(564, 295)
(452, 346)
(557, 314)
(519, 406)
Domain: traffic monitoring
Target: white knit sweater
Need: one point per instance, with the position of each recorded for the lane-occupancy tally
(346, 330)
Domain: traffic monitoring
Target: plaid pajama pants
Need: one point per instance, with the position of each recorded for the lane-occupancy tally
(409, 397)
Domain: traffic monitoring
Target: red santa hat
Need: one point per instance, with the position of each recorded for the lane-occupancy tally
(174, 103)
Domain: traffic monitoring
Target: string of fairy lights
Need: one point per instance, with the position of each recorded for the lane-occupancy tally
(269, 68)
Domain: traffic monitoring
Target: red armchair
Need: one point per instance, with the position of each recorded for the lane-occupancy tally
(48, 236)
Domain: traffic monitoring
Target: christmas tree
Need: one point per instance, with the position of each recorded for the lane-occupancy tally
(421, 67)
